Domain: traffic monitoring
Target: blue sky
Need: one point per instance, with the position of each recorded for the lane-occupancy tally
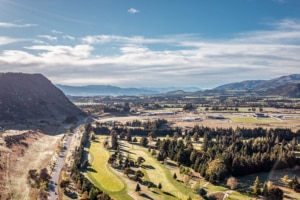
(157, 43)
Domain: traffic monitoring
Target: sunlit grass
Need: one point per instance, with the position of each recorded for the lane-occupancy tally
(252, 120)
(99, 172)
(160, 174)
(162, 110)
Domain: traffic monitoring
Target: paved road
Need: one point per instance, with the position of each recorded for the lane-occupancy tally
(54, 184)
(52, 188)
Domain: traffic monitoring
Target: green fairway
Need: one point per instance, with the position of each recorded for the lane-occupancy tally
(252, 120)
(99, 171)
(158, 173)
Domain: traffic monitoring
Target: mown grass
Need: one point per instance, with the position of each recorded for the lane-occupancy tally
(104, 177)
(101, 175)
(252, 120)
(162, 110)
(160, 174)
(99, 170)
(237, 196)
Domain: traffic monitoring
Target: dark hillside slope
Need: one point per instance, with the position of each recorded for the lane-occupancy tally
(31, 97)
(280, 81)
(289, 90)
(287, 86)
(244, 85)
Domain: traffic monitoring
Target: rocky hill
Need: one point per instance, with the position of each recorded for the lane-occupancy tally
(32, 96)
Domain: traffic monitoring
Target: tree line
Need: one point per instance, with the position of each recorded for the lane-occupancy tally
(232, 152)
(88, 190)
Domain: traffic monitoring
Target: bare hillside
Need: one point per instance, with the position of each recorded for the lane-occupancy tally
(30, 97)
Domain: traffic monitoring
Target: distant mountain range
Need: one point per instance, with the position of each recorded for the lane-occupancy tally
(261, 84)
(244, 85)
(284, 86)
(94, 90)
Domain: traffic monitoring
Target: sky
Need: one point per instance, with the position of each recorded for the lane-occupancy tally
(150, 43)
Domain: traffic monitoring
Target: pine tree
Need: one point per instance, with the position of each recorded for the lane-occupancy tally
(256, 188)
(138, 188)
(265, 191)
(188, 137)
(175, 176)
(159, 186)
(205, 142)
(196, 137)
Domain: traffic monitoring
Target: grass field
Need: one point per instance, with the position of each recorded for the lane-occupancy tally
(162, 110)
(99, 170)
(252, 120)
(112, 181)
(119, 186)
(170, 186)
(101, 175)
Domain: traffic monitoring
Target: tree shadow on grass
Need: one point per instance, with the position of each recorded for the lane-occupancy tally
(172, 164)
(129, 152)
(147, 167)
(89, 169)
(169, 194)
(145, 196)
(155, 192)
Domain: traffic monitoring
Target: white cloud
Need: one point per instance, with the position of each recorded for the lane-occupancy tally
(288, 24)
(8, 40)
(133, 11)
(56, 31)
(194, 61)
(69, 37)
(66, 52)
(102, 39)
(38, 42)
(14, 25)
(48, 37)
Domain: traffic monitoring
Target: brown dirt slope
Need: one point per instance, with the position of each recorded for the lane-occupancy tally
(23, 151)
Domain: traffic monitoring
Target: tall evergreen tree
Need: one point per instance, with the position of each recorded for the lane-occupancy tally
(256, 188)
(138, 188)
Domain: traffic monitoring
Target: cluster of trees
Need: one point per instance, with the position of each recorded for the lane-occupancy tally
(189, 106)
(148, 125)
(218, 108)
(269, 191)
(292, 183)
(39, 180)
(117, 160)
(236, 152)
(88, 190)
(156, 128)
(124, 107)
